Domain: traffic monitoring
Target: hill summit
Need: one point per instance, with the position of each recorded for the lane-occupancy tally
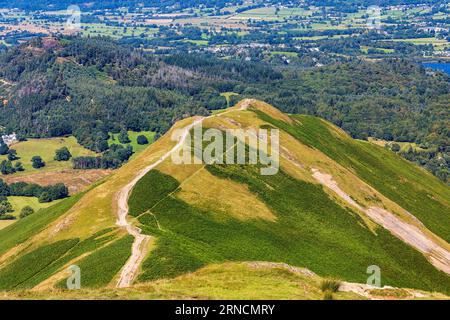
(336, 208)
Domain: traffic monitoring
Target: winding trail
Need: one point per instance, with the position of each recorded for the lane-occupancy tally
(129, 271)
(138, 250)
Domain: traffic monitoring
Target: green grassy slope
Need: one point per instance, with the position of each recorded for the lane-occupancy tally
(99, 268)
(304, 226)
(31, 263)
(414, 189)
(25, 228)
(142, 199)
(311, 231)
(81, 247)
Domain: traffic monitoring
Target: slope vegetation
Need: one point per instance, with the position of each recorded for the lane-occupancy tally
(210, 219)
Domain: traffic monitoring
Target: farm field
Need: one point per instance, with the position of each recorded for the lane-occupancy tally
(116, 32)
(283, 53)
(75, 180)
(433, 41)
(365, 49)
(197, 42)
(45, 148)
(20, 202)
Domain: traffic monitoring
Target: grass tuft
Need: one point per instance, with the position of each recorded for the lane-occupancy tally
(330, 285)
(328, 295)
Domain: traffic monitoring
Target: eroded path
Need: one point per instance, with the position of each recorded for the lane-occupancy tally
(408, 233)
(140, 244)
(138, 251)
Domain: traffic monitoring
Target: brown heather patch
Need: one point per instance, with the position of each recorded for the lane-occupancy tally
(75, 180)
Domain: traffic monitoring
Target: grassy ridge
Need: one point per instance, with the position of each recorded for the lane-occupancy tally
(311, 231)
(396, 178)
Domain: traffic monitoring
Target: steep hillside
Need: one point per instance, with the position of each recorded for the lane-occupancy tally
(335, 207)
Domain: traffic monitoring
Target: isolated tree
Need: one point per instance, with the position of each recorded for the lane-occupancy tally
(3, 148)
(37, 162)
(57, 191)
(123, 137)
(18, 166)
(4, 189)
(26, 211)
(6, 167)
(395, 147)
(12, 155)
(44, 197)
(5, 207)
(141, 139)
(62, 154)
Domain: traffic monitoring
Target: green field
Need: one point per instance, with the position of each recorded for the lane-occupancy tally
(48, 259)
(96, 29)
(437, 43)
(20, 202)
(33, 262)
(284, 53)
(197, 42)
(23, 229)
(271, 13)
(133, 137)
(365, 49)
(45, 148)
(99, 268)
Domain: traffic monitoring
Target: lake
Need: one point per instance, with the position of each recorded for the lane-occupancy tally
(438, 66)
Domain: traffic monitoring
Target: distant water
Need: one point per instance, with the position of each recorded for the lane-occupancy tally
(438, 66)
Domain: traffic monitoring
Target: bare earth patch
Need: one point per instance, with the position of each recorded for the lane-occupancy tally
(408, 233)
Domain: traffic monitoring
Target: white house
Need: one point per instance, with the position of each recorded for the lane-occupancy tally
(9, 138)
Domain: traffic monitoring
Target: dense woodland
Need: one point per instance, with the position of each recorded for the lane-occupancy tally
(90, 87)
